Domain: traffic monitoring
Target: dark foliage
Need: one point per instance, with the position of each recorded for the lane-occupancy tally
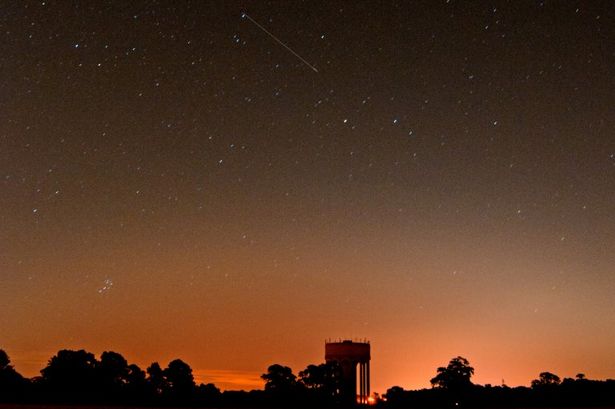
(570, 393)
(281, 386)
(452, 388)
(77, 377)
(322, 383)
(455, 377)
(70, 377)
(13, 386)
(180, 386)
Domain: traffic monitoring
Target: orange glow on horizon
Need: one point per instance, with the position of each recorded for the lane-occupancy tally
(226, 379)
(387, 369)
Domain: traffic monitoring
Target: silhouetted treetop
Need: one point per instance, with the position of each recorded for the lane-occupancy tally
(70, 376)
(135, 374)
(4, 360)
(111, 376)
(546, 379)
(155, 378)
(113, 366)
(68, 366)
(323, 376)
(324, 380)
(179, 379)
(456, 375)
(12, 384)
(279, 378)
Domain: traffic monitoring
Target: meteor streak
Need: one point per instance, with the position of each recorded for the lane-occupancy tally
(245, 15)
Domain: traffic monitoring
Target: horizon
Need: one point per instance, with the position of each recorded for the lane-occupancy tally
(229, 379)
(232, 183)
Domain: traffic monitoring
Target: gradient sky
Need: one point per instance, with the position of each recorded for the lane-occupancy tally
(176, 184)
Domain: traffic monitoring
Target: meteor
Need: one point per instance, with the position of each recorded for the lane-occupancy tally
(245, 15)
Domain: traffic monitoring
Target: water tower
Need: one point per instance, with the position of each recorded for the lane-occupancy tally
(348, 354)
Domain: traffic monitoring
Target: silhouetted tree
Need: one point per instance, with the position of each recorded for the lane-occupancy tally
(70, 376)
(547, 390)
(208, 395)
(546, 379)
(136, 384)
(323, 381)
(455, 376)
(112, 374)
(312, 377)
(12, 384)
(155, 379)
(179, 380)
(396, 396)
(280, 384)
(4, 360)
(279, 378)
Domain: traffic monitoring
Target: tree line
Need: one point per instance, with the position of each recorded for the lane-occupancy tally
(452, 387)
(78, 377)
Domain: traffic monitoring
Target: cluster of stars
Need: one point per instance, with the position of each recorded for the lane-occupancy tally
(107, 285)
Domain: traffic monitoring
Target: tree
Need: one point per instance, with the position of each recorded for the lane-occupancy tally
(455, 376)
(546, 379)
(179, 380)
(155, 379)
(12, 384)
(323, 380)
(279, 379)
(4, 361)
(208, 395)
(136, 384)
(70, 376)
(112, 373)
(281, 386)
(395, 396)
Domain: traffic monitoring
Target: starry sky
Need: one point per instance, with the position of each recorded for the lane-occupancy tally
(177, 184)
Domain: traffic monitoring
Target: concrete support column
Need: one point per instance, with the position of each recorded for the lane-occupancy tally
(365, 392)
(363, 382)
(361, 377)
(367, 379)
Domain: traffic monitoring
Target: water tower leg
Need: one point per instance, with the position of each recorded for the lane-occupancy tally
(367, 379)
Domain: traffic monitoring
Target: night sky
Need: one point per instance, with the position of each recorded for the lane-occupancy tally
(177, 184)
